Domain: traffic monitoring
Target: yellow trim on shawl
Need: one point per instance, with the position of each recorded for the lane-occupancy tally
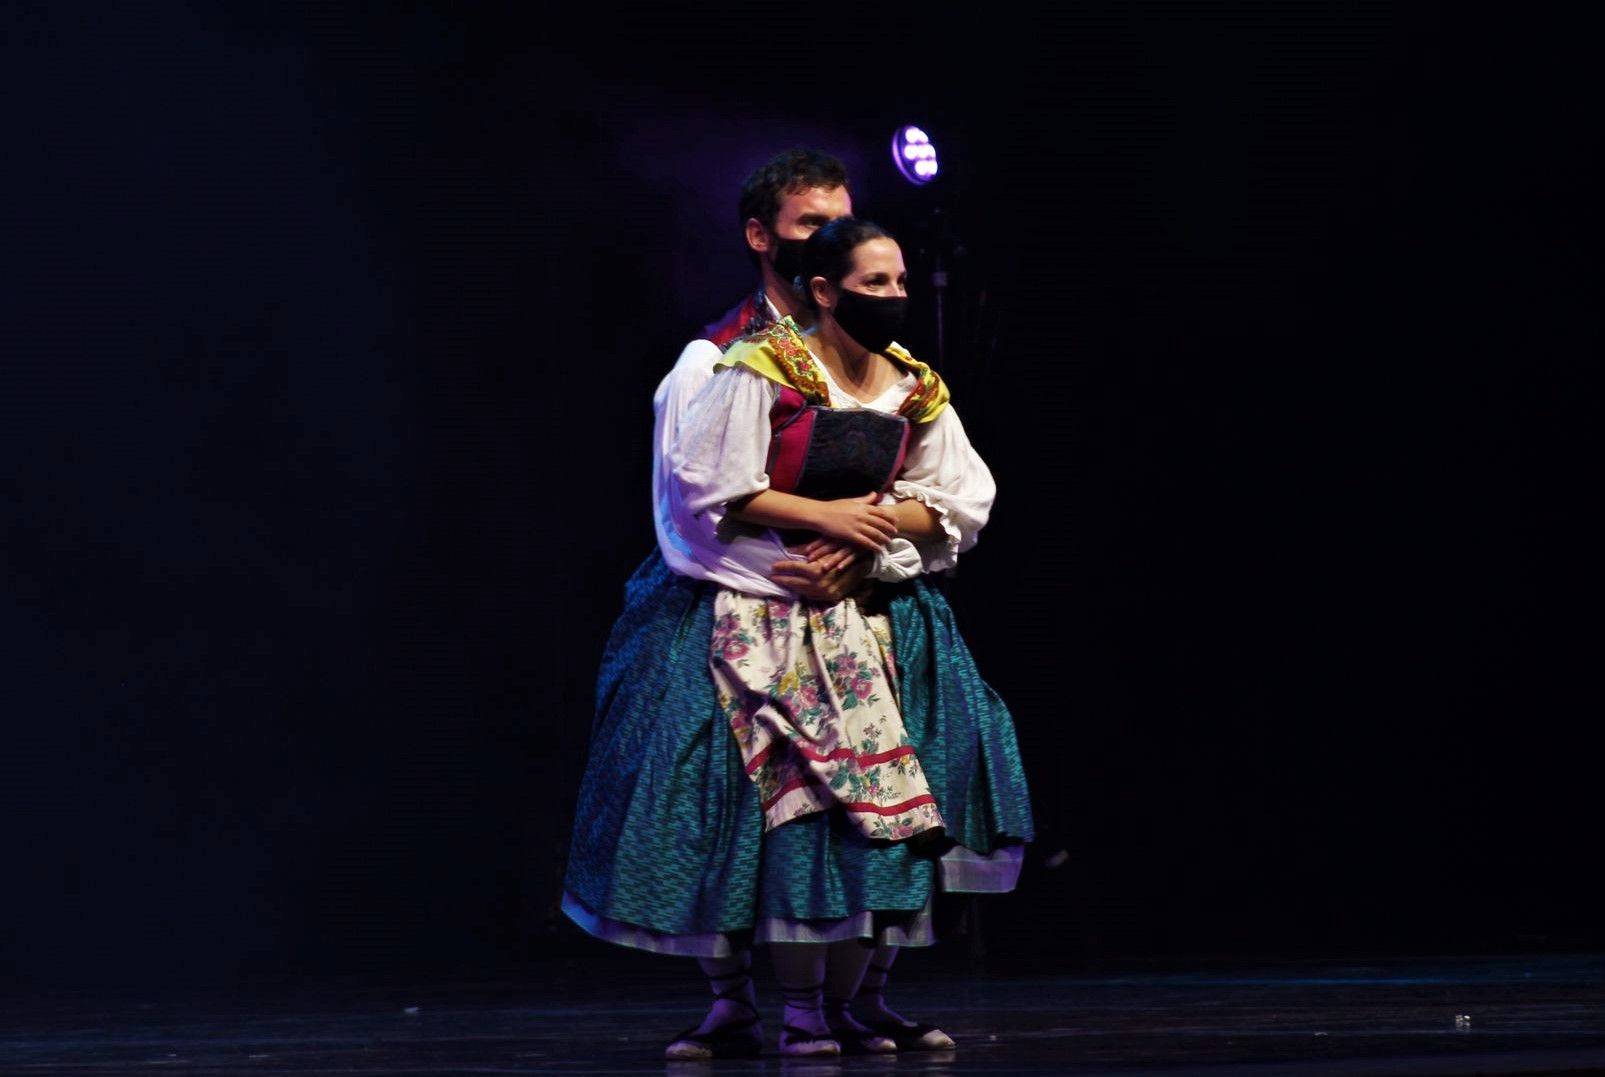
(930, 393)
(779, 354)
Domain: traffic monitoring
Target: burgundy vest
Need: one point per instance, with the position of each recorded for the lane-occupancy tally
(827, 453)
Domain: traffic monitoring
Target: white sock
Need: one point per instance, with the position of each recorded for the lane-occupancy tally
(730, 979)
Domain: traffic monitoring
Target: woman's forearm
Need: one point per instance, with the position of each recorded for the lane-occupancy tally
(775, 508)
(918, 522)
(852, 519)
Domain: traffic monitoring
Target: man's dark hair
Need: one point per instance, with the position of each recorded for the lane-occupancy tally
(786, 173)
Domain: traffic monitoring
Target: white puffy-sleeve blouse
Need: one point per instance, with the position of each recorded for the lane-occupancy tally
(719, 456)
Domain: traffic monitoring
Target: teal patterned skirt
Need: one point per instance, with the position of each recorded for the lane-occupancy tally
(668, 850)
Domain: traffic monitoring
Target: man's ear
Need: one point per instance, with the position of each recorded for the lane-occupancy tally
(757, 235)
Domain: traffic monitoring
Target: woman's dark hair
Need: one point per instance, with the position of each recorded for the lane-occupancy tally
(829, 251)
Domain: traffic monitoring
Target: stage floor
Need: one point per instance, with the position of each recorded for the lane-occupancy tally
(1538, 1014)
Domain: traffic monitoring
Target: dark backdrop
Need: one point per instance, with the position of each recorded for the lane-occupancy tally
(329, 340)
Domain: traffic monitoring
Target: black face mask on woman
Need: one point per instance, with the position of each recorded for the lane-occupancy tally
(872, 320)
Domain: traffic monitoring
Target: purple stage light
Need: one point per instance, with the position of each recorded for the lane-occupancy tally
(914, 154)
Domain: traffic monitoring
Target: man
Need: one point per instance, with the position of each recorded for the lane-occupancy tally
(653, 731)
(781, 204)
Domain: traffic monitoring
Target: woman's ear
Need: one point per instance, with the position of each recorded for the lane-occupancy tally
(819, 287)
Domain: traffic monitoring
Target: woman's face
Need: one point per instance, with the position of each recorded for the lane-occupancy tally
(877, 269)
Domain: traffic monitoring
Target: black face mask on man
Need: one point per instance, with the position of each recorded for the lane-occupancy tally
(872, 320)
(788, 258)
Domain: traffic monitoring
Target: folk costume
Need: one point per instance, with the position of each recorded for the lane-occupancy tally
(701, 825)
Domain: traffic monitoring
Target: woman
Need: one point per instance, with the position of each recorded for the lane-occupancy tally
(670, 852)
(851, 784)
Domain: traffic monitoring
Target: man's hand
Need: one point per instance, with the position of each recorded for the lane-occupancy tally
(826, 571)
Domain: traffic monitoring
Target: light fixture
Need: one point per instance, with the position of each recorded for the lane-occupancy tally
(914, 154)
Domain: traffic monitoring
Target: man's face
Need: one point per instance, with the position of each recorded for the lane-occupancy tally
(802, 212)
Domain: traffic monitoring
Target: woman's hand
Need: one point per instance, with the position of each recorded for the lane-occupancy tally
(857, 520)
